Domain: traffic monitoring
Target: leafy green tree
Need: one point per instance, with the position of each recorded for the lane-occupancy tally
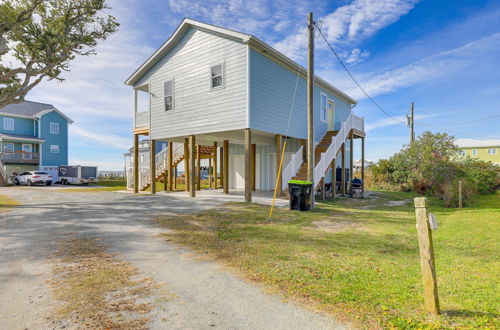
(39, 38)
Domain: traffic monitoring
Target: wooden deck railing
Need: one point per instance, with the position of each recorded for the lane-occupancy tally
(20, 157)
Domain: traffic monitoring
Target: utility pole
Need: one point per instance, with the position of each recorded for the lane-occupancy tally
(310, 105)
(412, 125)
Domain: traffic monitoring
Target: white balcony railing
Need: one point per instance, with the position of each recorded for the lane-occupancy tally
(292, 168)
(142, 119)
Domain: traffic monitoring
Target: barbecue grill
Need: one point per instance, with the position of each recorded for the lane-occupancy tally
(357, 188)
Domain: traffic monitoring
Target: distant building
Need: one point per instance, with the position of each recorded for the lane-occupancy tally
(487, 150)
(33, 136)
(357, 165)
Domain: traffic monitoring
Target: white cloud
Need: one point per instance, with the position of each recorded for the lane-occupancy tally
(398, 120)
(356, 56)
(348, 24)
(450, 61)
(108, 140)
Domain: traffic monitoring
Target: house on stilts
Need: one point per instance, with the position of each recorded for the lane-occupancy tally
(227, 96)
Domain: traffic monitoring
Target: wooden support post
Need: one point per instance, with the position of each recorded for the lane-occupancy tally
(363, 164)
(323, 189)
(334, 178)
(460, 194)
(221, 165)
(186, 164)
(152, 164)
(165, 180)
(427, 265)
(175, 178)
(303, 143)
(310, 105)
(170, 163)
(192, 166)
(226, 166)
(210, 172)
(198, 167)
(351, 163)
(252, 162)
(342, 181)
(215, 165)
(248, 165)
(279, 140)
(136, 163)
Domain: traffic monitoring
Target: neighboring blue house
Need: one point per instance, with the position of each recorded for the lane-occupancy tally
(240, 98)
(33, 136)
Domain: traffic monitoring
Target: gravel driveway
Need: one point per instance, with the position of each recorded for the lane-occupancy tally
(206, 296)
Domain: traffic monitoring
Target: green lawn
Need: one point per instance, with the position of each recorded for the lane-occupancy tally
(358, 259)
(116, 185)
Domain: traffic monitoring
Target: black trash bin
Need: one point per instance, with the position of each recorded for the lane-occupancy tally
(300, 195)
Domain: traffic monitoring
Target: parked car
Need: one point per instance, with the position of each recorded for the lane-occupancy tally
(33, 177)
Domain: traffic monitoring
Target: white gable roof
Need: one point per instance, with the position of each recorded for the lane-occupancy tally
(470, 143)
(227, 33)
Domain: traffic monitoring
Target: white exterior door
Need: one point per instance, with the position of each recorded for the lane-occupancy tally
(237, 172)
(331, 115)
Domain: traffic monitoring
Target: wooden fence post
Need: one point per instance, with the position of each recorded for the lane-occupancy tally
(427, 265)
(460, 194)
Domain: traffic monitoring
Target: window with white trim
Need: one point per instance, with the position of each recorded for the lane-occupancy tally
(8, 124)
(474, 152)
(217, 76)
(462, 152)
(322, 109)
(8, 147)
(492, 151)
(54, 128)
(168, 92)
(54, 148)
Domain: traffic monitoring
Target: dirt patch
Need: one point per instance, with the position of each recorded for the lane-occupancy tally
(336, 227)
(397, 203)
(96, 289)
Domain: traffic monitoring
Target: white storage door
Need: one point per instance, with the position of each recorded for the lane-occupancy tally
(237, 172)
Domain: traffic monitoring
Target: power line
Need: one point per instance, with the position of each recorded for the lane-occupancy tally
(468, 122)
(354, 79)
(458, 133)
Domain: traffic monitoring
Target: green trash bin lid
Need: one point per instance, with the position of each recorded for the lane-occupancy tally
(300, 182)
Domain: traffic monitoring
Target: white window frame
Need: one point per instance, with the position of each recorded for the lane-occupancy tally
(5, 144)
(223, 75)
(323, 108)
(54, 127)
(172, 95)
(492, 151)
(53, 148)
(9, 127)
(474, 152)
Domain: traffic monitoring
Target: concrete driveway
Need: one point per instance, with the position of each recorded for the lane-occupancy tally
(207, 296)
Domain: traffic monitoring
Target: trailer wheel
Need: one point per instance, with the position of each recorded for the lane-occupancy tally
(29, 183)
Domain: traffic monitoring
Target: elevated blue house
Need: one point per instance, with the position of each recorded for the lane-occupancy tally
(33, 136)
(237, 99)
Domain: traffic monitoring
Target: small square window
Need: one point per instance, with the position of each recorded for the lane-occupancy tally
(8, 124)
(54, 128)
(492, 151)
(217, 76)
(8, 147)
(54, 148)
(474, 152)
(168, 90)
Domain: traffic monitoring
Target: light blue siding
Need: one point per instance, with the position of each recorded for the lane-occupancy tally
(61, 139)
(22, 126)
(272, 88)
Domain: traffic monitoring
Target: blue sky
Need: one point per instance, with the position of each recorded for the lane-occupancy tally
(442, 55)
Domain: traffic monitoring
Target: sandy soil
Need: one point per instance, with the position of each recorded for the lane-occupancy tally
(201, 293)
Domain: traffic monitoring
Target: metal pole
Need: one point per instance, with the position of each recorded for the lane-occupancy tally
(412, 124)
(310, 104)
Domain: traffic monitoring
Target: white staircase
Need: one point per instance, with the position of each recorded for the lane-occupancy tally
(325, 159)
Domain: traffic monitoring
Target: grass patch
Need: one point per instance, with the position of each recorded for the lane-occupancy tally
(96, 289)
(6, 203)
(367, 270)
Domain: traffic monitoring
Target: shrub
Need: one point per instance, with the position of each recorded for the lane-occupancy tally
(432, 165)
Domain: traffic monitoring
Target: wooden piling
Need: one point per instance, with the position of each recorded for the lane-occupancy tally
(427, 264)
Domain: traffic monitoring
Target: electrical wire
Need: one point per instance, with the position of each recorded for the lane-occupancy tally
(354, 79)
(465, 123)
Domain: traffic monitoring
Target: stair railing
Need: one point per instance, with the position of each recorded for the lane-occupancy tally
(292, 168)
